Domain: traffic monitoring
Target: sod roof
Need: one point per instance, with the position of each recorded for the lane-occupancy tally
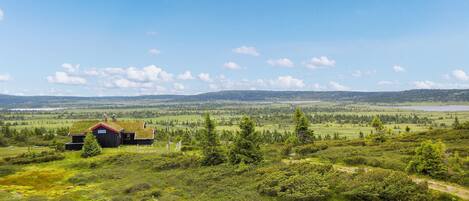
(137, 127)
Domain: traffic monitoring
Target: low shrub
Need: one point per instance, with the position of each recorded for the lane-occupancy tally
(355, 160)
(176, 161)
(81, 179)
(137, 187)
(309, 149)
(34, 157)
(188, 148)
(295, 186)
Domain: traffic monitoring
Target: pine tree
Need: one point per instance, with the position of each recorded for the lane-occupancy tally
(246, 146)
(90, 147)
(212, 154)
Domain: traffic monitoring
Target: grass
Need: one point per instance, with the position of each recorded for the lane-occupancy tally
(147, 172)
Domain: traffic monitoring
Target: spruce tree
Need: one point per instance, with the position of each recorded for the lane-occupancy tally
(377, 124)
(90, 147)
(210, 144)
(302, 131)
(246, 146)
(456, 124)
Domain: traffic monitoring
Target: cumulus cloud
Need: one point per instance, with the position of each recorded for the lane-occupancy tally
(154, 51)
(320, 62)
(92, 72)
(282, 62)
(288, 81)
(398, 69)
(5, 77)
(425, 84)
(187, 75)
(231, 65)
(178, 86)
(246, 50)
(1, 14)
(337, 86)
(460, 75)
(65, 78)
(149, 73)
(70, 68)
(205, 77)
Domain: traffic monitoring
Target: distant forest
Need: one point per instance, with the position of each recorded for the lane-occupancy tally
(420, 95)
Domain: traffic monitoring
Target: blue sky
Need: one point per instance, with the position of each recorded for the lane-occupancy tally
(100, 48)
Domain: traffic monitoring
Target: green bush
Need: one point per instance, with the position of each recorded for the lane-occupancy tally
(296, 187)
(137, 187)
(383, 185)
(355, 160)
(429, 159)
(309, 149)
(34, 157)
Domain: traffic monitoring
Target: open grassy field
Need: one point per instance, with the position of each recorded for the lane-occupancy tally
(160, 172)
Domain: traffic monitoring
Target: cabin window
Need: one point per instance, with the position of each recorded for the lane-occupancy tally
(102, 131)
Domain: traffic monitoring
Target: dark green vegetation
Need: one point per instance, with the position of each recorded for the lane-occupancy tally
(438, 95)
(90, 147)
(242, 151)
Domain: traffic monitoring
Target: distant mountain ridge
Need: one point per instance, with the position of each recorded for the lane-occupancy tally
(417, 95)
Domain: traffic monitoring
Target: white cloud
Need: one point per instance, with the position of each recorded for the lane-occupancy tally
(398, 69)
(92, 72)
(154, 51)
(65, 78)
(446, 77)
(5, 77)
(246, 50)
(146, 74)
(282, 62)
(337, 86)
(425, 84)
(320, 62)
(231, 65)
(1, 14)
(125, 83)
(187, 75)
(70, 68)
(178, 86)
(387, 82)
(205, 77)
(288, 82)
(460, 75)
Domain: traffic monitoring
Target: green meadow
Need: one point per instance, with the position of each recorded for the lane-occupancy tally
(339, 164)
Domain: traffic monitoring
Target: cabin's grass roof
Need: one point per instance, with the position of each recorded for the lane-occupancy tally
(137, 127)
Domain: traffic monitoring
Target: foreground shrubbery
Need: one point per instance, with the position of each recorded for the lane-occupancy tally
(309, 149)
(319, 182)
(34, 157)
(300, 182)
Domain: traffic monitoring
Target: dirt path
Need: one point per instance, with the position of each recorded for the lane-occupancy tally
(441, 186)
